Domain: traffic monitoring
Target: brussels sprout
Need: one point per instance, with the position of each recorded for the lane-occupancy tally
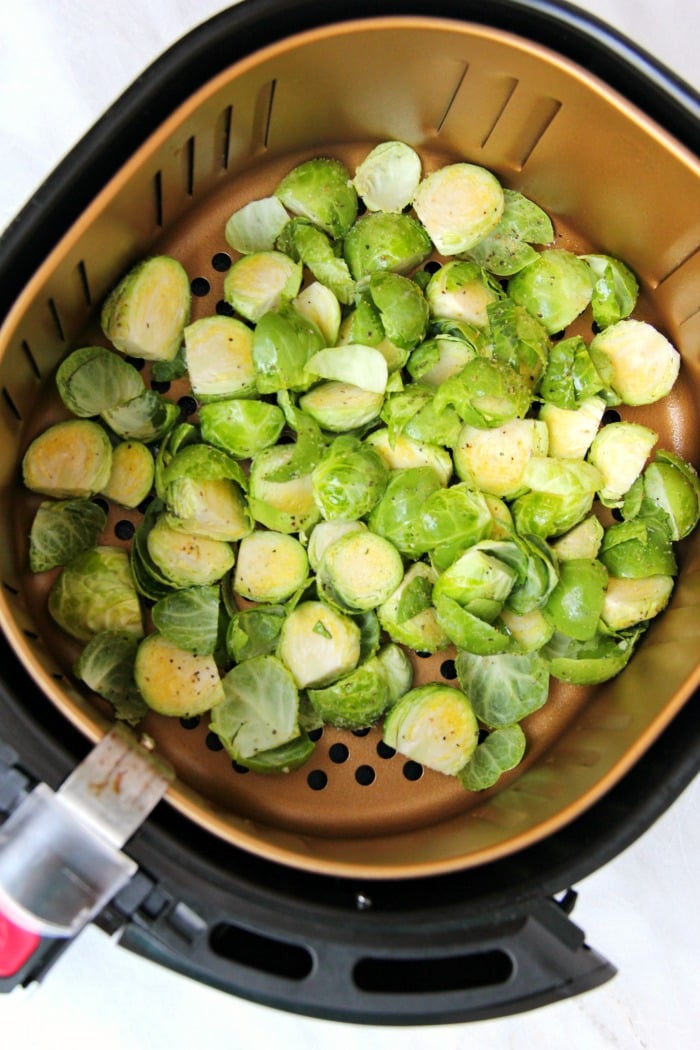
(535, 565)
(576, 602)
(261, 282)
(349, 479)
(561, 495)
(284, 506)
(359, 571)
(459, 204)
(590, 662)
(402, 308)
(451, 520)
(270, 567)
(95, 592)
(93, 379)
(189, 618)
(503, 749)
(388, 177)
(673, 486)
(254, 632)
(145, 315)
(72, 459)
(61, 530)
(504, 688)
(260, 708)
(397, 515)
(200, 461)
(361, 366)
(640, 547)
(301, 240)
(615, 289)
(106, 665)
(174, 681)
(405, 453)
(186, 560)
(437, 359)
(462, 291)
(318, 644)
(508, 248)
(556, 288)
(149, 579)
(486, 393)
(356, 700)
(495, 460)
(571, 430)
(256, 225)
(241, 428)
(583, 541)
(213, 509)
(339, 406)
(570, 376)
(385, 241)
(629, 602)
(519, 340)
(434, 725)
(325, 533)
(219, 355)
(283, 342)
(132, 474)
(321, 190)
(531, 630)
(636, 360)
(620, 451)
(318, 304)
(408, 615)
(412, 413)
(147, 417)
(399, 670)
(478, 581)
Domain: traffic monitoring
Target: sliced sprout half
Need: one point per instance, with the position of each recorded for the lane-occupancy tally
(462, 291)
(187, 560)
(620, 452)
(638, 361)
(359, 571)
(270, 566)
(408, 615)
(261, 282)
(71, 459)
(385, 241)
(92, 379)
(388, 177)
(321, 190)
(241, 427)
(318, 644)
(495, 460)
(132, 474)
(256, 225)
(434, 725)
(361, 366)
(571, 430)
(404, 453)
(556, 287)
(321, 306)
(339, 406)
(629, 602)
(459, 204)
(219, 356)
(95, 592)
(146, 313)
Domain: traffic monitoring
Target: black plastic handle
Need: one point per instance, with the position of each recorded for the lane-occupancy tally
(391, 976)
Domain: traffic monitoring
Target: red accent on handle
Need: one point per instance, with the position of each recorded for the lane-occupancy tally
(16, 946)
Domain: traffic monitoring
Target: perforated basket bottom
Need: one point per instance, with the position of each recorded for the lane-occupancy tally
(353, 787)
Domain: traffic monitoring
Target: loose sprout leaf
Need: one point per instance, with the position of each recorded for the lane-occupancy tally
(259, 710)
(388, 177)
(254, 632)
(63, 529)
(95, 592)
(589, 662)
(255, 226)
(507, 248)
(93, 379)
(503, 749)
(106, 665)
(190, 618)
(615, 290)
(362, 366)
(504, 687)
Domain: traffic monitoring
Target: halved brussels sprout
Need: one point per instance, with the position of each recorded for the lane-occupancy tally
(434, 725)
(672, 485)
(359, 571)
(132, 474)
(93, 379)
(385, 241)
(318, 644)
(438, 358)
(636, 361)
(338, 406)
(254, 632)
(405, 453)
(561, 495)
(486, 393)
(219, 356)
(576, 603)
(62, 529)
(318, 304)
(508, 248)
(187, 560)
(408, 615)
(260, 708)
(145, 315)
(314, 248)
(402, 308)
(571, 430)
(639, 547)
(615, 289)
(95, 592)
(583, 541)
(503, 749)
(451, 520)
(388, 177)
(591, 662)
(325, 533)
(106, 665)
(556, 287)
(283, 342)
(495, 460)
(397, 515)
(361, 366)
(356, 700)
(284, 506)
(321, 190)
(504, 688)
(241, 427)
(570, 376)
(459, 204)
(189, 618)
(255, 226)
(174, 681)
(349, 480)
(261, 282)
(71, 459)
(620, 451)
(270, 567)
(209, 508)
(478, 581)
(629, 602)
(462, 291)
(531, 630)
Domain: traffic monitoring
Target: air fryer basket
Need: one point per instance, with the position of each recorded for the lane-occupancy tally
(612, 178)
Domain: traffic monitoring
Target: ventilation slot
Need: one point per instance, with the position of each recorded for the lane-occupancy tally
(189, 166)
(84, 282)
(432, 975)
(507, 90)
(259, 952)
(11, 405)
(55, 317)
(263, 115)
(455, 93)
(31, 360)
(158, 197)
(225, 126)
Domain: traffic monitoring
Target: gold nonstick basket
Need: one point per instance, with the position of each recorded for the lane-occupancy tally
(612, 179)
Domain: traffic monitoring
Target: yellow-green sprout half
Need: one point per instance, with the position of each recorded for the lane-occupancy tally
(146, 314)
(458, 205)
(638, 361)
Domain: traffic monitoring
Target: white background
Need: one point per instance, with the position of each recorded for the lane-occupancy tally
(62, 62)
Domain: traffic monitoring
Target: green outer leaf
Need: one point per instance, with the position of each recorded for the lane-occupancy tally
(93, 379)
(589, 662)
(502, 750)
(259, 710)
(95, 592)
(254, 632)
(63, 529)
(189, 618)
(505, 687)
(106, 665)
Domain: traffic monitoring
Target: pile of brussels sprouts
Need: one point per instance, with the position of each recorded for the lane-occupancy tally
(398, 447)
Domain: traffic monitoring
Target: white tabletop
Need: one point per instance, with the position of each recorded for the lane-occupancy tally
(62, 62)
